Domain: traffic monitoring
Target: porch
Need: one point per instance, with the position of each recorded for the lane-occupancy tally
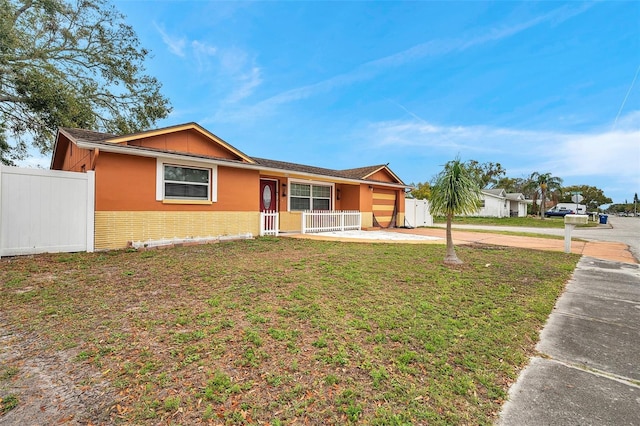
(313, 221)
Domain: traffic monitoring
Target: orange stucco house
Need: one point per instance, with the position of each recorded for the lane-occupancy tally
(185, 182)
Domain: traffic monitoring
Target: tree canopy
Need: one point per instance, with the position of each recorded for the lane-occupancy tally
(541, 184)
(593, 197)
(486, 174)
(420, 191)
(72, 65)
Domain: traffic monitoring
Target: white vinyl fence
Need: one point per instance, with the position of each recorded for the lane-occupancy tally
(269, 223)
(324, 221)
(417, 213)
(45, 211)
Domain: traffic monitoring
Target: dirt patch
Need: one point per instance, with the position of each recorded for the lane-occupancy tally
(50, 386)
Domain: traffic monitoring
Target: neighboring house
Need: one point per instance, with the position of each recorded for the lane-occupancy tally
(499, 203)
(185, 182)
(517, 204)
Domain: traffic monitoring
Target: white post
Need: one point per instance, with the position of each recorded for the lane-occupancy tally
(568, 228)
(91, 207)
(570, 222)
(302, 227)
(1, 249)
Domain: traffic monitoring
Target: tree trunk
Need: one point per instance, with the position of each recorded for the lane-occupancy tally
(451, 258)
(543, 204)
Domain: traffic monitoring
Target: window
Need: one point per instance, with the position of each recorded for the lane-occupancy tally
(309, 197)
(482, 203)
(186, 182)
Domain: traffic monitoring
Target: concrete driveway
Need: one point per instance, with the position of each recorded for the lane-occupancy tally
(624, 230)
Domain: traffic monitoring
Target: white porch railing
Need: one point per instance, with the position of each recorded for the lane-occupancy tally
(269, 223)
(324, 220)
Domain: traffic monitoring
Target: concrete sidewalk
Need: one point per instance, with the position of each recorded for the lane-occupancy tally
(588, 372)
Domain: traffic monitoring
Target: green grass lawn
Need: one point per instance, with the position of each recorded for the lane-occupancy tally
(527, 222)
(289, 331)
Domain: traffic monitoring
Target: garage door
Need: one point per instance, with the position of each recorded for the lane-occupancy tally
(384, 207)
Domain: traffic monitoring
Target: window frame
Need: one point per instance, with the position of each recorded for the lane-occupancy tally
(311, 184)
(212, 193)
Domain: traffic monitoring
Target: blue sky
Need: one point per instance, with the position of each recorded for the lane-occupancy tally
(546, 86)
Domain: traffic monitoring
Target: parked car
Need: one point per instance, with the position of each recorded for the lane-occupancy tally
(562, 211)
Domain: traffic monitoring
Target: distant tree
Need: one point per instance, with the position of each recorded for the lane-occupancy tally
(486, 174)
(511, 185)
(593, 197)
(541, 183)
(420, 191)
(73, 64)
(454, 191)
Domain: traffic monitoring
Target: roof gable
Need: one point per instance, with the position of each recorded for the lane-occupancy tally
(189, 138)
(498, 192)
(379, 173)
(193, 141)
(515, 196)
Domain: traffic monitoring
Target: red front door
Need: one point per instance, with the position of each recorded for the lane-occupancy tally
(268, 197)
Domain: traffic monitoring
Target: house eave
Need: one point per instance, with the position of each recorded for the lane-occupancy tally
(146, 152)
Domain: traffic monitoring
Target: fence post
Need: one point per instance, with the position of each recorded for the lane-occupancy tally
(91, 206)
(276, 220)
(261, 224)
(1, 171)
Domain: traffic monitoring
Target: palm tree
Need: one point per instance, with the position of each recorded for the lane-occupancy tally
(541, 183)
(454, 191)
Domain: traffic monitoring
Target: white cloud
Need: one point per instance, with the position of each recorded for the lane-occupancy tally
(374, 67)
(247, 83)
(176, 45)
(598, 153)
(229, 70)
(615, 153)
(475, 139)
(202, 53)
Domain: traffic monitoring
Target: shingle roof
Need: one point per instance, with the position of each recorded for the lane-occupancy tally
(87, 135)
(515, 196)
(359, 173)
(495, 191)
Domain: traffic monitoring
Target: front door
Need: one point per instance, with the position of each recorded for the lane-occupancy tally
(268, 208)
(268, 198)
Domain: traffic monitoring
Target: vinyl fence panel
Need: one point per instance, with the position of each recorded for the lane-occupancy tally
(417, 213)
(45, 211)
